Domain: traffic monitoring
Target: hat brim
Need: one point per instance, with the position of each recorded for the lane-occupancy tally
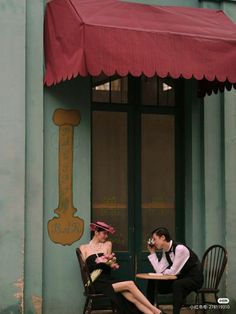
(102, 225)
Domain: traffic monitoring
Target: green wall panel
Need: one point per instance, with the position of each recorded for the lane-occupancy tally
(214, 170)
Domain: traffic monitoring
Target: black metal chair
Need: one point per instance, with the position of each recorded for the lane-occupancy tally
(213, 263)
(89, 290)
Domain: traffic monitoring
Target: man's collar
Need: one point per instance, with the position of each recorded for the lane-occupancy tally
(170, 246)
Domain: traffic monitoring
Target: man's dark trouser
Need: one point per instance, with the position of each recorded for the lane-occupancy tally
(180, 288)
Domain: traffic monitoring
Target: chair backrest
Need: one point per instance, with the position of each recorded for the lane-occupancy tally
(213, 262)
(88, 284)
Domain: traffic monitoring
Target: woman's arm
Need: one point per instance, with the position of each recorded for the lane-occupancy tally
(83, 251)
(109, 247)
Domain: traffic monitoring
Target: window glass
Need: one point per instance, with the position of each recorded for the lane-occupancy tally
(157, 91)
(157, 174)
(110, 89)
(109, 174)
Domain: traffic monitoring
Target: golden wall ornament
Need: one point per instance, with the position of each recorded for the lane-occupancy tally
(66, 228)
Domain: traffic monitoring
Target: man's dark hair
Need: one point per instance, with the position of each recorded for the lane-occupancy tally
(162, 231)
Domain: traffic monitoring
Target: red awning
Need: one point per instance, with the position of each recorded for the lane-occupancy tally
(87, 37)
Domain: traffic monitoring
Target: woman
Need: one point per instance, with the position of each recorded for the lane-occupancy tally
(124, 294)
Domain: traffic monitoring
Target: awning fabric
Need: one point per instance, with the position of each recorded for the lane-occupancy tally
(88, 37)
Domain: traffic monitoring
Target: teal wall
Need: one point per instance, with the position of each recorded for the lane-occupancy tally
(12, 140)
(219, 182)
(32, 267)
(62, 289)
(220, 171)
(210, 198)
(230, 178)
(230, 195)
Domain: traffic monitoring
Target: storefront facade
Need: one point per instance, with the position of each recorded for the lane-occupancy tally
(39, 271)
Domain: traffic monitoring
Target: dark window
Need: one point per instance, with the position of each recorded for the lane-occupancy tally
(110, 89)
(151, 91)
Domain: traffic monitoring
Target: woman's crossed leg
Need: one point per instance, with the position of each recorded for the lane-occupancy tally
(131, 292)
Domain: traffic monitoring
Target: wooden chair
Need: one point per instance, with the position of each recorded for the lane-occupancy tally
(89, 290)
(213, 262)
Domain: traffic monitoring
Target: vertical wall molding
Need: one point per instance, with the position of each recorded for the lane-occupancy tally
(230, 195)
(33, 266)
(12, 152)
(194, 193)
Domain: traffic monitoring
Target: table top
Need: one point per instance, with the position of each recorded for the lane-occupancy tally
(156, 276)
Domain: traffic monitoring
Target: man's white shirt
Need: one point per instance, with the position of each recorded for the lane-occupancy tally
(179, 259)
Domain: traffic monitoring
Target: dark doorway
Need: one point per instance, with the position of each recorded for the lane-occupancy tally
(137, 162)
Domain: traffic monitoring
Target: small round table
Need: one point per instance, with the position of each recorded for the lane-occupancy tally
(154, 276)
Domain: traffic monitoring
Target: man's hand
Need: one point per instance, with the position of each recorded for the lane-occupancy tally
(151, 249)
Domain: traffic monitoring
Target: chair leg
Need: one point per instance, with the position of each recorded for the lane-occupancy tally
(113, 308)
(196, 302)
(85, 306)
(200, 300)
(89, 306)
(203, 303)
(216, 298)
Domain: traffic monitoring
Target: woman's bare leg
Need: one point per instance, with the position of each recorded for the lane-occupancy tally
(136, 293)
(139, 305)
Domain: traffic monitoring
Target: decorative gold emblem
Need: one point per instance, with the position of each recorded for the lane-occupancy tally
(66, 228)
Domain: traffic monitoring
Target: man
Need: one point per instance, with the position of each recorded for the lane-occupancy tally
(177, 259)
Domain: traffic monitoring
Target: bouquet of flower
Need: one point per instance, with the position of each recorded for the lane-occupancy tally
(108, 259)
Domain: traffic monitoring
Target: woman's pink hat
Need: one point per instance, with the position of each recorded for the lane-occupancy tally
(103, 225)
